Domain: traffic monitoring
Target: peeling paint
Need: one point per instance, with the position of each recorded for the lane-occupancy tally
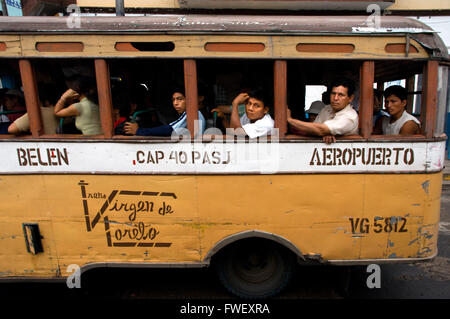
(393, 255)
(9, 237)
(425, 186)
(412, 242)
(390, 243)
(425, 250)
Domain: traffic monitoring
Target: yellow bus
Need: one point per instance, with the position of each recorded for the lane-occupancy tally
(252, 209)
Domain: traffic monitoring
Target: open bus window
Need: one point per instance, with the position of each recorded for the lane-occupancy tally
(77, 108)
(12, 103)
(54, 79)
(311, 81)
(142, 92)
(400, 85)
(220, 82)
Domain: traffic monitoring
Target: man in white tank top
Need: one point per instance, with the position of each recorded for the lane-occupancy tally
(400, 121)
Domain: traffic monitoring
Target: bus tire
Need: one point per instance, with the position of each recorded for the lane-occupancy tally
(255, 268)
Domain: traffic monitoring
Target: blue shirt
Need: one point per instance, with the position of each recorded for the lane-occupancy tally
(166, 130)
(181, 122)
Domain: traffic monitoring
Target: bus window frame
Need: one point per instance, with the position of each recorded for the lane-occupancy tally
(428, 110)
(429, 107)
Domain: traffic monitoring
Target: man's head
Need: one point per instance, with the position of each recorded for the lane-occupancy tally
(342, 93)
(179, 101)
(49, 94)
(13, 97)
(256, 106)
(395, 99)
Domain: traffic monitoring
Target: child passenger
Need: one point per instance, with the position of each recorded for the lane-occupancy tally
(255, 122)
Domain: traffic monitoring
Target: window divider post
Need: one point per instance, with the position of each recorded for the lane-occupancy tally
(31, 95)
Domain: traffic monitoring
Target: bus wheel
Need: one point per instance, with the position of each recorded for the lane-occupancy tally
(255, 268)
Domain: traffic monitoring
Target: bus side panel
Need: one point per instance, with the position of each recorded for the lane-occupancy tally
(104, 219)
(401, 216)
(339, 217)
(311, 211)
(23, 201)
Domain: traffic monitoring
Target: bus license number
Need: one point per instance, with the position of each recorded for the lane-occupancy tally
(379, 225)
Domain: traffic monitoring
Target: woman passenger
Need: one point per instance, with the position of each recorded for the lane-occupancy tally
(47, 97)
(80, 100)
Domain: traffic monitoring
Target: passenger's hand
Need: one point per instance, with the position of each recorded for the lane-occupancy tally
(130, 128)
(220, 114)
(240, 99)
(328, 139)
(288, 114)
(70, 95)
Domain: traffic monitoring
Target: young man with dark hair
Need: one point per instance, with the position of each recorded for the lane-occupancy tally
(399, 121)
(338, 118)
(179, 104)
(256, 121)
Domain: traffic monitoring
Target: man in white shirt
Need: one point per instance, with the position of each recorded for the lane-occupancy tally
(255, 122)
(338, 118)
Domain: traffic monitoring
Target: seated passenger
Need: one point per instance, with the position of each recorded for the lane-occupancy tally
(255, 122)
(80, 100)
(179, 104)
(47, 97)
(14, 102)
(4, 120)
(378, 112)
(142, 110)
(400, 121)
(338, 118)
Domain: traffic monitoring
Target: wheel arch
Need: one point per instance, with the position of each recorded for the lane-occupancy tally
(252, 234)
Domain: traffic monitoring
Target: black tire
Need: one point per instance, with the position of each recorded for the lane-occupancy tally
(255, 268)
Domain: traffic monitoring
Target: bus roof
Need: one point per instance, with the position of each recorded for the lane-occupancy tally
(231, 24)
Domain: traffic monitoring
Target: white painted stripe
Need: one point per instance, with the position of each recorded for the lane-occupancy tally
(220, 158)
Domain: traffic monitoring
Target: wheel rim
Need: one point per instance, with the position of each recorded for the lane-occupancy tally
(255, 266)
